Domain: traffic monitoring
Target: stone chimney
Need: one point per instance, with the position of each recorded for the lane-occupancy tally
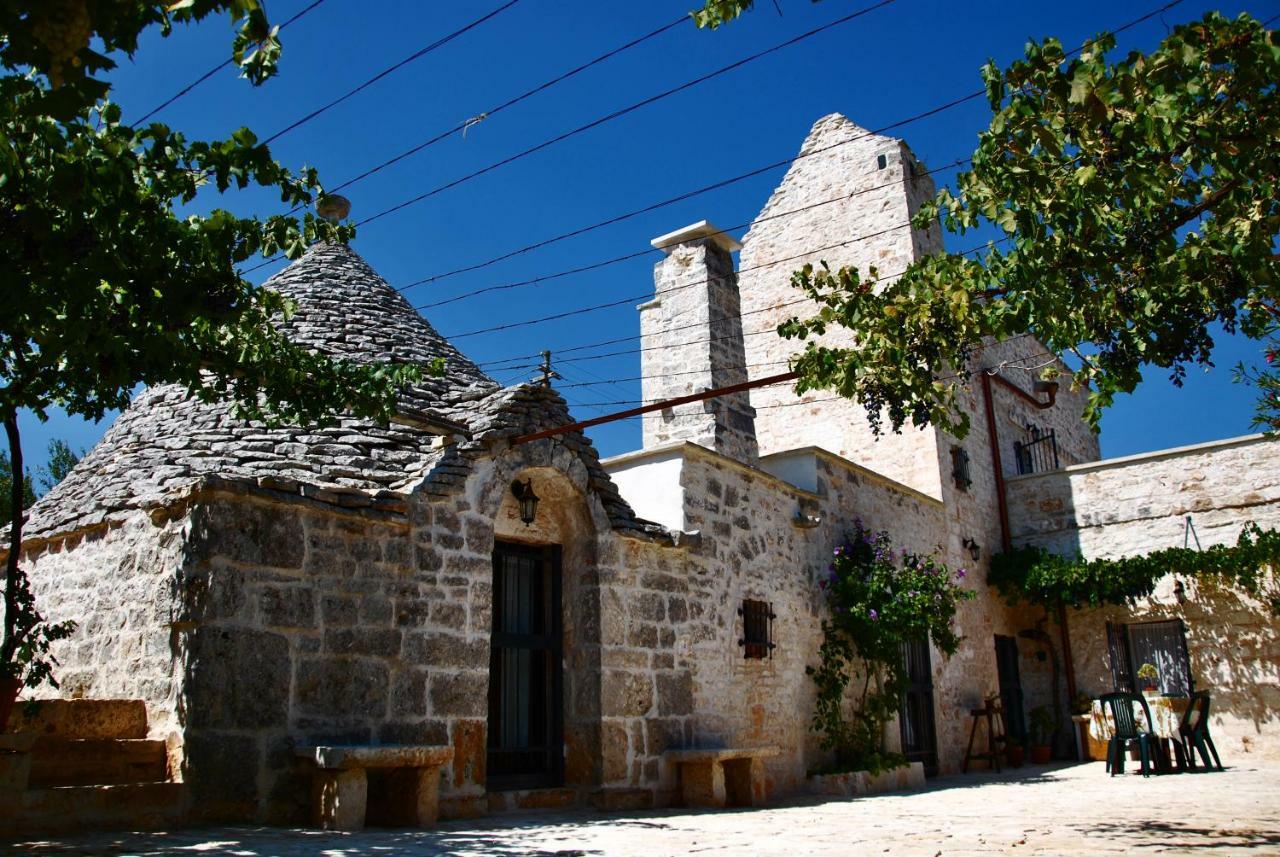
(691, 333)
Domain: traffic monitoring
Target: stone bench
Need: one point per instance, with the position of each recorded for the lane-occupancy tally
(720, 778)
(340, 784)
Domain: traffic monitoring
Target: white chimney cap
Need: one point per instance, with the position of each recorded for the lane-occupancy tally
(694, 232)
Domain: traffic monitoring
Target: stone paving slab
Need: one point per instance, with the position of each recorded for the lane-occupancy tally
(1056, 810)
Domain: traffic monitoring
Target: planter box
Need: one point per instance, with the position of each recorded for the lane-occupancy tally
(858, 783)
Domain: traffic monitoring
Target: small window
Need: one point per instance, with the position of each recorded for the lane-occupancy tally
(757, 629)
(960, 468)
(882, 161)
(1161, 644)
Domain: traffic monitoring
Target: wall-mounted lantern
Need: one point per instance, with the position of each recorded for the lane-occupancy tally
(523, 492)
(974, 549)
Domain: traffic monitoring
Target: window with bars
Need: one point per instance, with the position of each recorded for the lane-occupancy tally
(1037, 452)
(1162, 644)
(960, 468)
(757, 629)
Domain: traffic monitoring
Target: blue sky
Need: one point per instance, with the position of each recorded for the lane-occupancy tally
(894, 62)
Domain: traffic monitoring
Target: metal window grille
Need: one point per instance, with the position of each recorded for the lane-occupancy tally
(960, 468)
(757, 629)
(1037, 452)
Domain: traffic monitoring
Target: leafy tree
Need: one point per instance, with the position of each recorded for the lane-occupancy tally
(105, 287)
(61, 460)
(717, 12)
(1141, 200)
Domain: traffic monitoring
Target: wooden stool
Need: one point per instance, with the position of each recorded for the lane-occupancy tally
(994, 716)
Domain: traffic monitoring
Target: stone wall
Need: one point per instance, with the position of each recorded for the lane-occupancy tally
(691, 341)
(1136, 505)
(117, 583)
(751, 546)
(837, 204)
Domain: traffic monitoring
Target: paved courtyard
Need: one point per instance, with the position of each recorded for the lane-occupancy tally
(1063, 810)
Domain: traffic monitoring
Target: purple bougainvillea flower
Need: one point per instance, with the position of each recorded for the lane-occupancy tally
(873, 614)
(960, 573)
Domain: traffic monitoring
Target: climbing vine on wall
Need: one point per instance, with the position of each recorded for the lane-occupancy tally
(1035, 575)
(880, 599)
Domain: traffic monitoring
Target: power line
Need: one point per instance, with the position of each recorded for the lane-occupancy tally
(715, 186)
(511, 102)
(630, 299)
(624, 111)
(651, 250)
(616, 114)
(1000, 367)
(217, 68)
(416, 55)
(719, 338)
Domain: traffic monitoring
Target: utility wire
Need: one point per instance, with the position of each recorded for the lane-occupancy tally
(217, 68)
(716, 186)
(713, 339)
(416, 55)
(706, 189)
(603, 119)
(511, 102)
(660, 292)
(625, 110)
(651, 250)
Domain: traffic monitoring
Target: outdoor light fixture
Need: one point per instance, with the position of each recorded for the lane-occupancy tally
(523, 492)
(974, 549)
(1180, 592)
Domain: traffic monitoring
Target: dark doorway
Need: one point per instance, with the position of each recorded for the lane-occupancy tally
(526, 737)
(1015, 718)
(919, 740)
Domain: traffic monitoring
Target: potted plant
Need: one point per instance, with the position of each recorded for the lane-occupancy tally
(1042, 728)
(1015, 752)
(1149, 676)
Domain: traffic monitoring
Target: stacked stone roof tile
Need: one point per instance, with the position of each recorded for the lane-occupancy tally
(167, 443)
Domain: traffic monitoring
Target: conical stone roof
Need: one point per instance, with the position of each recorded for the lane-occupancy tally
(166, 442)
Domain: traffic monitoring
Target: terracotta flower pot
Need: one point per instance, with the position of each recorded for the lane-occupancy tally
(1040, 754)
(1016, 755)
(9, 688)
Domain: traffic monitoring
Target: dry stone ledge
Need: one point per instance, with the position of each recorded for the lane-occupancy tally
(722, 777)
(340, 783)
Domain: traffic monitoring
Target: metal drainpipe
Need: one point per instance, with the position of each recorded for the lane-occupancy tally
(1006, 541)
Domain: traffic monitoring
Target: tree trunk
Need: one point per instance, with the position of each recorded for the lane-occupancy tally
(11, 571)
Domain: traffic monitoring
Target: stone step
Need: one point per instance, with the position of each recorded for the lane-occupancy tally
(59, 761)
(66, 809)
(83, 718)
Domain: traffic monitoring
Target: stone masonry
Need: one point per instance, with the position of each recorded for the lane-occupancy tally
(263, 589)
(691, 336)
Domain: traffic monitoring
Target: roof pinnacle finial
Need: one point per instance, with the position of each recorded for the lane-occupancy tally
(333, 207)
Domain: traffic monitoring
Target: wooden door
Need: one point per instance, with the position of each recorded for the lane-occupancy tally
(919, 738)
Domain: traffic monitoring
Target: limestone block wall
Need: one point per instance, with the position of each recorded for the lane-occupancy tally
(750, 547)
(1139, 504)
(837, 204)
(972, 514)
(691, 336)
(117, 583)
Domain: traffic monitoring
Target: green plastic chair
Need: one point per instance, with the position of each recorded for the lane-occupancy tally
(1193, 733)
(1127, 733)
